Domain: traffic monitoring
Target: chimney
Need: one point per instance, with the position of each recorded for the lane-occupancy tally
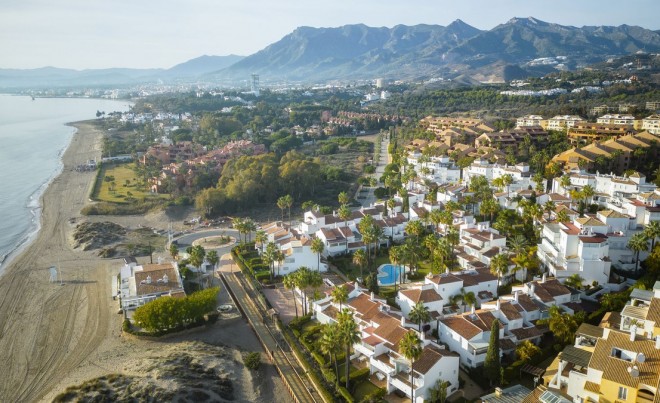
(372, 296)
(543, 278)
(532, 289)
(472, 310)
(403, 321)
(657, 342)
(515, 295)
(498, 303)
(423, 337)
(633, 332)
(498, 392)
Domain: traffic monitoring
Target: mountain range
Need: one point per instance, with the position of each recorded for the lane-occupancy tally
(456, 51)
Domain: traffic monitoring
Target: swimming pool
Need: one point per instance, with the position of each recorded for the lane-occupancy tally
(387, 273)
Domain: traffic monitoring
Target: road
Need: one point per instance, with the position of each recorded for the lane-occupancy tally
(369, 197)
(272, 340)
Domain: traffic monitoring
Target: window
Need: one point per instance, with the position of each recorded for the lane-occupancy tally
(623, 393)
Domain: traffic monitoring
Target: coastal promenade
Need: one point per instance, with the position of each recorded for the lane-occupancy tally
(253, 307)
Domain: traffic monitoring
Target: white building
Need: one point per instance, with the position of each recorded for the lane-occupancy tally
(438, 170)
(141, 284)
(617, 119)
(297, 249)
(564, 122)
(529, 121)
(651, 124)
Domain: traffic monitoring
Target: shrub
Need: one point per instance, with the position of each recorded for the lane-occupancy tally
(375, 396)
(356, 377)
(252, 360)
(165, 314)
(329, 375)
(299, 322)
(345, 394)
(262, 276)
(319, 358)
(126, 326)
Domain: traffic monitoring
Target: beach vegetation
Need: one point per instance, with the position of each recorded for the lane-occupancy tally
(252, 360)
(163, 314)
(119, 183)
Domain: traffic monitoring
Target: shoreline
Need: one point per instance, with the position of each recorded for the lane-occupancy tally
(36, 211)
(47, 330)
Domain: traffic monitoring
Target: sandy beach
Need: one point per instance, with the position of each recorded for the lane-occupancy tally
(52, 335)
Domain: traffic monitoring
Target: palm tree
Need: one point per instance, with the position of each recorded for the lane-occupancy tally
(269, 256)
(499, 266)
(419, 314)
(348, 335)
(317, 247)
(290, 284)
(279, 258)
(213, 258)
(343, 198)
(237, 223)
(517, 244)
(415, 228)
(436, 218)
(329, 343)
(588, 192)
(651, 232)
(565, 182)
(339, 295)
(574, 281)
(302, 278)
(174, 251)
(637, 244)
(470, 299)
(260, 237)
(549, 207)
(562, 216)
(249, 227)
(489, 207)
(411, 347)
(315, 281)
(360, 259)
(396, 254)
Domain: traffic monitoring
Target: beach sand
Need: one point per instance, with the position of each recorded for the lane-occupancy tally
(52, 335)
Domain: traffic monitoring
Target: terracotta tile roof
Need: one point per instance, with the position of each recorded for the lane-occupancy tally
(616, 369)
(526, 303)
(510, 311)
(592, 387)
(526, 333)
(430, 356)
(654, 311)
(507, 344)
(547, 291)
(372, 340)
(416, 295)
(611, 320)
(590, 330)
(151, 280)
(362, 304)
(391, 332)
(461, 326)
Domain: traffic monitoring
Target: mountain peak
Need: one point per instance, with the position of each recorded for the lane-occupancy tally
(526, 21)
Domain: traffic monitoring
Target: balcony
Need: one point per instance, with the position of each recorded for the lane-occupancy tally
(381, 363)
(402, 382)
(364, 349)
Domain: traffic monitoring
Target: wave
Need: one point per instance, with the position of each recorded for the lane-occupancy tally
(34, 205)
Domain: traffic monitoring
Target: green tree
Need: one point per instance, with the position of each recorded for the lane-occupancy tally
(339, 295)
(330, 343)
(343, 198)
(318, 247)
(438, 393)
(174, 251)
(574, 281)
(269, 256)
(419, 314)
(499, 266)
(411, 348)
(492, 365)
(197, 254)
(360, 260)
(290, 284)
(637, 244)
(652, 232)
(527, 350)
(348, 335)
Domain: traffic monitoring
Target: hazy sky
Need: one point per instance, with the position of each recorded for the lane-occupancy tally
(83, 34)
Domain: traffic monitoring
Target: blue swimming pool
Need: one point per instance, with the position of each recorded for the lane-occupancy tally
(387, 274)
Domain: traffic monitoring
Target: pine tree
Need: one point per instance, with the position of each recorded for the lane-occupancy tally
(492, 363)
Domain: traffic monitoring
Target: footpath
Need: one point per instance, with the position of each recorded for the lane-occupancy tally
(253, 308)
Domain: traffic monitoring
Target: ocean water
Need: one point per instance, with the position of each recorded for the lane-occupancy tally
(33, 137)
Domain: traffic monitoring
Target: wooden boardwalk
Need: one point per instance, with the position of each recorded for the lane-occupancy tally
(252, 306)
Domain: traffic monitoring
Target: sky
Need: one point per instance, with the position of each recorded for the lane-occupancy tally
(84, 34)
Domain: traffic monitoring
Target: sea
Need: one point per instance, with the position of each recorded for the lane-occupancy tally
(33, 137)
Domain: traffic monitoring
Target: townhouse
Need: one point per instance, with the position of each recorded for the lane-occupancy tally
(139, 284)
(296, 247)
(381, 330)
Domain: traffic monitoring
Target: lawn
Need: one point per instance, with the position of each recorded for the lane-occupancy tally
(364, 389)
(119, 184)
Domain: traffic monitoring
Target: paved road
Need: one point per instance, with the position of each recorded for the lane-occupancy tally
(272, 340)
(380, 169)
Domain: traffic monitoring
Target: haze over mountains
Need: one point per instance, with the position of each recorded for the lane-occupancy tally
(457, 51)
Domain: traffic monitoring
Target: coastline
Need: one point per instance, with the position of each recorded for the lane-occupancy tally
(48, 330)
(53, 336)
(36, 210)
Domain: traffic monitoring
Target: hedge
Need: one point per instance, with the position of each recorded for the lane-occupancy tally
(356, 377)
(345, 394)
(298, 322)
